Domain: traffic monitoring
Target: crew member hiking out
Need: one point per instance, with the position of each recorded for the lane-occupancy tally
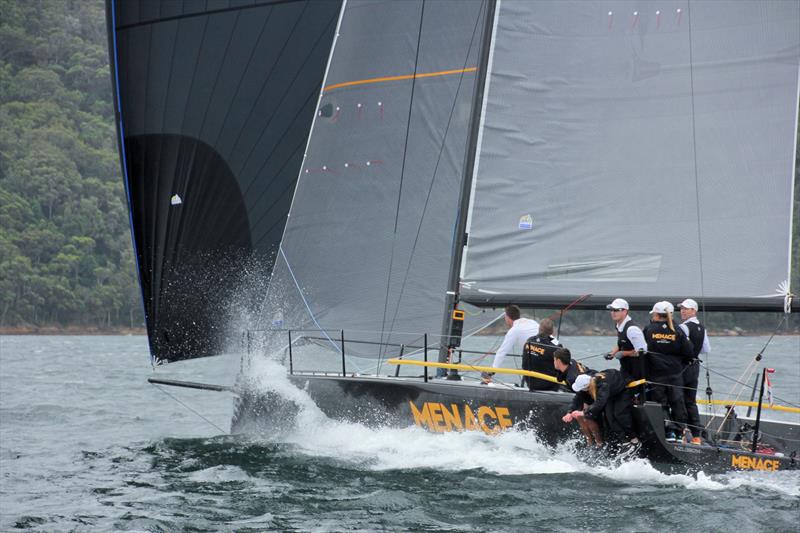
(630, 340)
(691, 368)
(667, 348)
(603, 393)
(520, 330)
(567, 369)
(537, 356)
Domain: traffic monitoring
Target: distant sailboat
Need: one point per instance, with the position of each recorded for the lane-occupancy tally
(537, 153)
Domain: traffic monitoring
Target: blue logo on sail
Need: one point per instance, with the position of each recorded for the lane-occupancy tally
(525, 222)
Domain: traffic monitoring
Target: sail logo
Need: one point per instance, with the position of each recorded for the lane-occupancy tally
(752, 463)
(526, 222)
(440, 418)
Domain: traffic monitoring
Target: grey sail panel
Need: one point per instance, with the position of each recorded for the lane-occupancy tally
(215, 101)
(645, 154)
(367, 244)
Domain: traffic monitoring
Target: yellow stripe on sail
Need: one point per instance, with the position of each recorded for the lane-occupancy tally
(397, 78)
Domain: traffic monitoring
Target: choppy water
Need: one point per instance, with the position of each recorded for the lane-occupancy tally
(87, 445)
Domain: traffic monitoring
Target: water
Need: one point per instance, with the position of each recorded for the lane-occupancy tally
(87, 445)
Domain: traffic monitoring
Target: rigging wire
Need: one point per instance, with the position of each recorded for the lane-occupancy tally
(190, 409)
(402, 175)
(435, 170)
(709, 390)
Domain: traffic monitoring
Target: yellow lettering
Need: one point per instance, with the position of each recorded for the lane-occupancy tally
(752, 463)
(503, 417)
(452, 417)
(436, 417)
(538, 350)
(469, 419)
(421, 419)
(483, 412)
(664, 336)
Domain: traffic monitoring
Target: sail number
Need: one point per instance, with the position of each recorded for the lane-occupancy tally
(442, 418)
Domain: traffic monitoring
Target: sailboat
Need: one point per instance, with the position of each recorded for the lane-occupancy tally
(457, 157)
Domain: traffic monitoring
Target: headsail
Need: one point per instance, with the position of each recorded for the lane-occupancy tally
(214, 103)
(637, 150)
(368, 241)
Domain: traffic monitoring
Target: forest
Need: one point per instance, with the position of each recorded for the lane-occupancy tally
(66, 257)
(65, 246)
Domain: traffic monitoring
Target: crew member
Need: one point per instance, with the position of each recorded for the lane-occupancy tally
(630, 340)
(667, 347)
(520, 330)
(698, 336)
(537, 356)
(567, 369)
(603, 393)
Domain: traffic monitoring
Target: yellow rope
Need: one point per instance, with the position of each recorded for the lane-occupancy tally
(475, 368)
(551, 379)
(742, 403)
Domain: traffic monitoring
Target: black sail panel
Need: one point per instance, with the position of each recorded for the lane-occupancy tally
(214, 103)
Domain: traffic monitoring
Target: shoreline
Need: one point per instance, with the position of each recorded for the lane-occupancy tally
(71, 330)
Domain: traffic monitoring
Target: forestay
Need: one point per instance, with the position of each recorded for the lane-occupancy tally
(644, 150)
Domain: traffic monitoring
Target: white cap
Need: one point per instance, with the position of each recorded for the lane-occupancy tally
(688, 303)
(662, 308)
(618, 303)
(582, 382)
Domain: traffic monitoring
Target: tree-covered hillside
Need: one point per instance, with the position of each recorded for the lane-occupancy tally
(65, 246)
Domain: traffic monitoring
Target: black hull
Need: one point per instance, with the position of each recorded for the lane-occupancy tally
(442, 406)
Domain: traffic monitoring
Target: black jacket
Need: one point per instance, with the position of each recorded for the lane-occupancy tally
(574, 370)
(608, 383)
(537, 356)
(666, 349)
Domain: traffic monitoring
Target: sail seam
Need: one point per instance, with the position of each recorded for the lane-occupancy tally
(313, 122)
(151, 22)
(267, 81)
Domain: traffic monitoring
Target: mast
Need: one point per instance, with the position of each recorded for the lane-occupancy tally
(451, 329)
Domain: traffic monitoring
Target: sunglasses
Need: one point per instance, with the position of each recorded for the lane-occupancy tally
(617, 310)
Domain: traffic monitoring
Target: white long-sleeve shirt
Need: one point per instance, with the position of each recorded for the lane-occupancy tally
(521, 330)
(706, 345)
(635, 335)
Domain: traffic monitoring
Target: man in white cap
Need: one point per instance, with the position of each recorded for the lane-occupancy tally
(691, 368)
(630, 340)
